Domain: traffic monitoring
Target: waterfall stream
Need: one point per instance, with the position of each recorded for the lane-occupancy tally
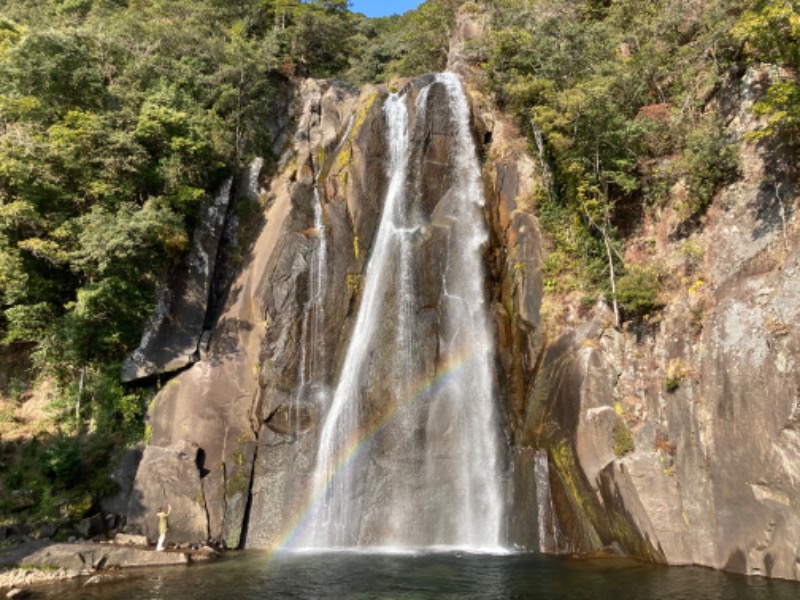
(310, 384)
(409, 450)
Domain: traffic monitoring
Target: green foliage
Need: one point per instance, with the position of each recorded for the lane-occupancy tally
(60, 461)
(613, 95)
(55, 477)
(117, 120)
(425, 38)
(770, 33)
(110, 243)
(637, 291)
(709, 160)
(59, 68)
(28, 321)
(623, 439)
(381, 47)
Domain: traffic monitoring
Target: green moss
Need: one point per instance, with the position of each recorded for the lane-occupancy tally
(346, 152)
(598, 526)
(579, 496)
(353, 282)
(343, 159)
(361, 116)
(564, 460)
(355, 246)
(320, 157)
(238, 482)
(623, 439)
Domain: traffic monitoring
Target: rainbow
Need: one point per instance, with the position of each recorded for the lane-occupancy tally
(445, 373)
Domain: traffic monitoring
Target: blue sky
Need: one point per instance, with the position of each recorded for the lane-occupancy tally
(383, 8)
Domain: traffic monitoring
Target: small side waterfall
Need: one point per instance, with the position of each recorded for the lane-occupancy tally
(409, 450)
(310, 385)
(544, 503)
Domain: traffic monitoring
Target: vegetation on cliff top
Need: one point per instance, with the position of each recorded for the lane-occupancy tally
(618, 99)
(118, 117)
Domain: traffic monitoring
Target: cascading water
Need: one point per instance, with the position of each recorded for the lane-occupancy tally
(408, 452)
(310, 386)
(544, 502)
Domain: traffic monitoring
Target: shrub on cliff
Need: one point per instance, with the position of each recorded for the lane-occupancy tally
(637, 291)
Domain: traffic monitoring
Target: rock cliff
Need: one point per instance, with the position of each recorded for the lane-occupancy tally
(234, 435)
(676, 440)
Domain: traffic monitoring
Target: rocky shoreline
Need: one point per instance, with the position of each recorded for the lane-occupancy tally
(34, 563)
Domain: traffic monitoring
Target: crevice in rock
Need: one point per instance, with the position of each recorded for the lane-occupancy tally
(249, 503)
(200, 460)
(157, 380)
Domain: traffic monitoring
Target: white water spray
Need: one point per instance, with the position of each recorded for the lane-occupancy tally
(425, 472)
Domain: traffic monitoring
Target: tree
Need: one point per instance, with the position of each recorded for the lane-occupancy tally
(426, 37)
(58, 68)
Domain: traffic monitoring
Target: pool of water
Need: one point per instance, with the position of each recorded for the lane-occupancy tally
(357, 576)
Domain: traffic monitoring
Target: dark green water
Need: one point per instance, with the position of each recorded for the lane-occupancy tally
(361, 576)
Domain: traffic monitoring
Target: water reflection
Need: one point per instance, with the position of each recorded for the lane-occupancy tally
(357, 576)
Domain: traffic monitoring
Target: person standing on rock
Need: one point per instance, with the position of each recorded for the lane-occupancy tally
(163, 526)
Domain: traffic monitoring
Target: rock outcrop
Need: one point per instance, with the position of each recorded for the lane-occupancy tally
(677, 440)
(43, 562)
(208, 422)
(172, 338)
(674, 440)
(234, 436)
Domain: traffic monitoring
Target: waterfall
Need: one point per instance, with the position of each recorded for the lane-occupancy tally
(408, 452)
(544, 502)
(310, 385)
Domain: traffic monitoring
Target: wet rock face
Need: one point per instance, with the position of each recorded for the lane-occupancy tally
(249, 407)
(287, 446)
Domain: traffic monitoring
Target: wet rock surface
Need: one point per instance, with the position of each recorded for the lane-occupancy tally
(219, 405)
(34, 563)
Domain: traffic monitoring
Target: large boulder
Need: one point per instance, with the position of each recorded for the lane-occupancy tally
(123, 475)
(169, 476)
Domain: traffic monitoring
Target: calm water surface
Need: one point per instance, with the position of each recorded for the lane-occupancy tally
(358, 576)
